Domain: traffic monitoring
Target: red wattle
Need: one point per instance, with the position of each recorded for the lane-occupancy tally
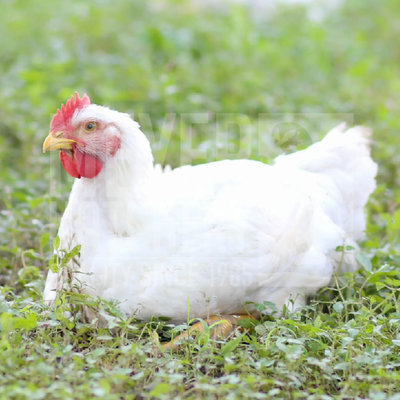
(69, 165)
(81, 164)
(87, 165)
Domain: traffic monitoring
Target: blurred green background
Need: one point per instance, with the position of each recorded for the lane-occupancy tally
(305, 68)
(177, 56)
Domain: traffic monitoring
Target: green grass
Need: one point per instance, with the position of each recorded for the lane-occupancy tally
(174, 57)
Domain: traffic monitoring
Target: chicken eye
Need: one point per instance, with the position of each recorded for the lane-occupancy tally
(90, 126)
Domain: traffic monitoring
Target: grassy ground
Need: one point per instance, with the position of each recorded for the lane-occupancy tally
(171, 56)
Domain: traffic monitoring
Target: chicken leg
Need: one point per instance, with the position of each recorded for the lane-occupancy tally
(222, 330)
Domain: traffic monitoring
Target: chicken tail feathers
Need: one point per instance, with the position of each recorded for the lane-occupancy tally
(344, 156)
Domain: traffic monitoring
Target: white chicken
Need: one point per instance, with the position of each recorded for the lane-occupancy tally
(216, 235)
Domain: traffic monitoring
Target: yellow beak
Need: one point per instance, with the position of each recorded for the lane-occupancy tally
(56, 141)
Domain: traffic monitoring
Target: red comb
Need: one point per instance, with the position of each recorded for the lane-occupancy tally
(62, 120)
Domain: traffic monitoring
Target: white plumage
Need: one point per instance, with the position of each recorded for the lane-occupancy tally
(217, 235)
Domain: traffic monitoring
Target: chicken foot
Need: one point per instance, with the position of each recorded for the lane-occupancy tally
(222, 329)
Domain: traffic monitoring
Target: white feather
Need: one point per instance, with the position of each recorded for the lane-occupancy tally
(218, 234)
